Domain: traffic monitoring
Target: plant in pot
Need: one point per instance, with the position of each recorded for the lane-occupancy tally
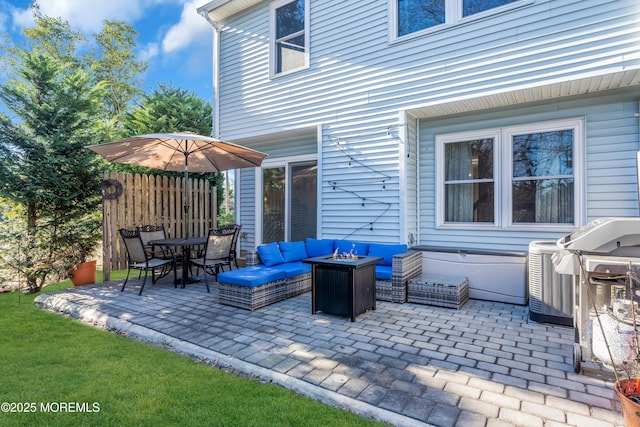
(627, 348)
(628, 390)
(84, 237)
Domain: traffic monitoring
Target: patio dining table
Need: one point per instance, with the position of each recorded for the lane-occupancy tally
(186, 244)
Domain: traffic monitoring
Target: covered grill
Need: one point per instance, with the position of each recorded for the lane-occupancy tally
(604, 258)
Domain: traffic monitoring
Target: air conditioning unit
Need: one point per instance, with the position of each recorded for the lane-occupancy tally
(550, 293)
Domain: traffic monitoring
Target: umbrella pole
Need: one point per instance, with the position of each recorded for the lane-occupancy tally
(186, 195)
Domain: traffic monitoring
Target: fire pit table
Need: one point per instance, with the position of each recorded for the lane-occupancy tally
(345, 287)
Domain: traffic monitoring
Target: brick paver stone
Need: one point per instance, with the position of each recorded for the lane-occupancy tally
(407, 364)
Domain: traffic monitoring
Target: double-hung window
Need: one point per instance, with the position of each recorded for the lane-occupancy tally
(543, 176)
(513, 177)
(289, 36)
(414, 16)
(469, 180)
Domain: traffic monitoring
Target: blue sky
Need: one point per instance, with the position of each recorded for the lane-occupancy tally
(175, 41)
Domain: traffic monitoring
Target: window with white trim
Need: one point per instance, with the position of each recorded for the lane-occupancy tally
(289, 36)
(414, 16)
(519, 176)
(469, 180)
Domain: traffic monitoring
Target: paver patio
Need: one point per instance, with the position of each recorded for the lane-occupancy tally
(406, 364)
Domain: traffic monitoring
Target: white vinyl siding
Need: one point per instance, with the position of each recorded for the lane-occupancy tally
(412, 198)
(246, 208)
(543, 42)
(361, 181)
(357, 82)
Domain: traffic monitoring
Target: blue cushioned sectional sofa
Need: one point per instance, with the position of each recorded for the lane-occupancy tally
(281, 273)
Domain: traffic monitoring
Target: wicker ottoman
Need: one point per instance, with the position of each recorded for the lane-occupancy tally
(443, 291)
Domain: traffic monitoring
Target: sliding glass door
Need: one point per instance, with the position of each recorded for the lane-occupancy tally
(289, 202)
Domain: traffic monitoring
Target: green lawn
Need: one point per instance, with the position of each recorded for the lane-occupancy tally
(47, 360)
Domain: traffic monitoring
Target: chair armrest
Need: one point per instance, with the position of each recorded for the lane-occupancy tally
(406, 266)
(161, 252)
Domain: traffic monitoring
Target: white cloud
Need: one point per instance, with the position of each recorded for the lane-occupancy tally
(20, 18)
(87, 16)
(192, 27)
(3, 22)
(149, 51)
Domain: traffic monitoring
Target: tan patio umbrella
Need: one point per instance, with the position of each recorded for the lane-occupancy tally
(180, 151)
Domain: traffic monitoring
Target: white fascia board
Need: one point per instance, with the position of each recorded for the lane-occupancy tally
(218, 10)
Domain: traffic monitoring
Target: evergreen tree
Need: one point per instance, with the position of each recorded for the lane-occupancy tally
(52, 181)
(170, 109)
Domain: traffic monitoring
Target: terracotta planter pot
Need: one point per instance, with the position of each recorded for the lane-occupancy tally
(628, 391)
(83, 274)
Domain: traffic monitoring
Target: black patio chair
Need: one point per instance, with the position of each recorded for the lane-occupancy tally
(215, 254)
(149, 233)
(232, 253)
(142, 260)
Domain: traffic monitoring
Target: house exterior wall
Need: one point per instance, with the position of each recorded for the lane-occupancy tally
(245, 208)
(378, 103)
(611, 134)
(412, 187)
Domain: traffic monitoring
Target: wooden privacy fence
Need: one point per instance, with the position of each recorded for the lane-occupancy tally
(132, 200)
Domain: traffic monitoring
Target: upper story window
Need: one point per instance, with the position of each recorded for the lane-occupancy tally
(412, 16)
(520, 176)
(416, 15)
(289, 29)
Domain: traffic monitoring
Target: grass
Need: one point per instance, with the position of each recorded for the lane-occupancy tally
(48, 359)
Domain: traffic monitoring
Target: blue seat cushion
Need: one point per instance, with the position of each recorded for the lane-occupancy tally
(270, 254)
(252, 276)
(293, 251)
(319, 247)
(347, 246)
(383, 272)
(386, 251)
(291, 269)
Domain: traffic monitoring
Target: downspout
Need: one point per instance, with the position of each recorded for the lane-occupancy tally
(217, 30)
(216, 80)
(215, 113)
(638, 159)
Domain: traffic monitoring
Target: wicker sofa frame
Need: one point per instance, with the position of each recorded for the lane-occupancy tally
(253, 298)
(298, 285)
(404, 267)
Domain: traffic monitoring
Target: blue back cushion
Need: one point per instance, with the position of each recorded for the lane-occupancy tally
(293, 251)
(270, 254)
(319, 247)
(386, 251)
(345, 246)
